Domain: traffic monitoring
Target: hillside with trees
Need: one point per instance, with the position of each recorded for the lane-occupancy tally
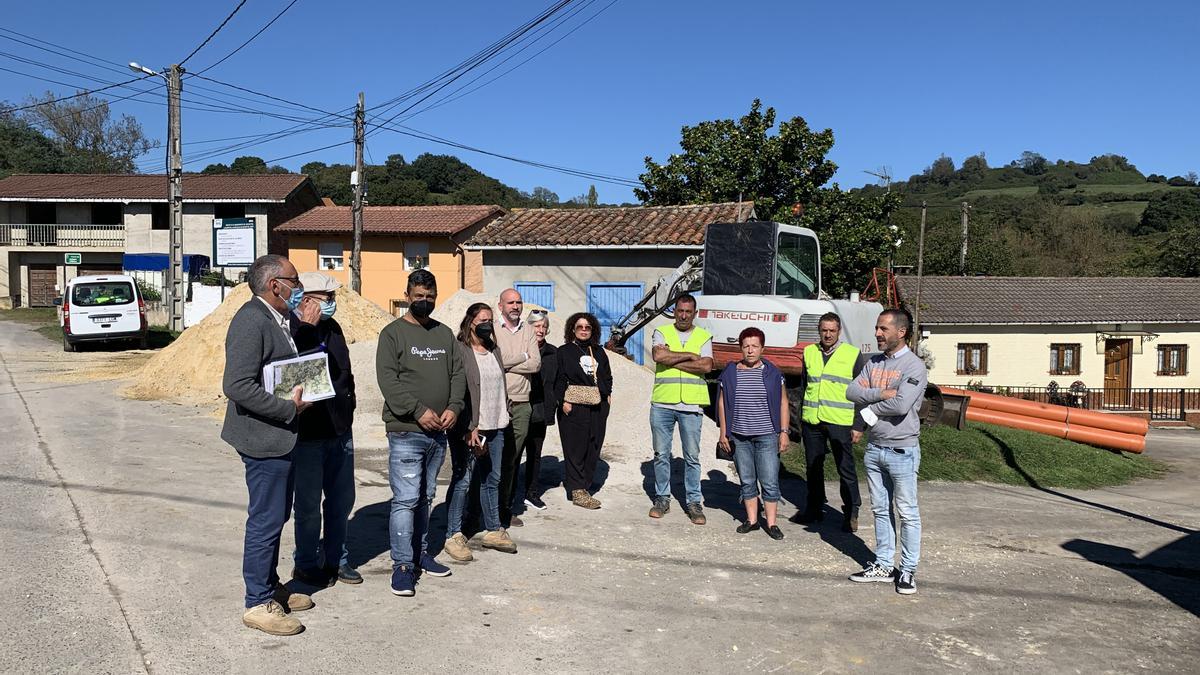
(1036, 217)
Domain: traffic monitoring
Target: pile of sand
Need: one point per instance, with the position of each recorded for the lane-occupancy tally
(191, 368)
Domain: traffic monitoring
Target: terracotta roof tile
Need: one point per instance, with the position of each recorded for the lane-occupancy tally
(632, 226)
(436, 220)
(149, 187)
(1051, 300)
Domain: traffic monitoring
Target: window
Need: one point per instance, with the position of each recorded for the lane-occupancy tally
(796, 267)
(416, 255)
(41, 213)
(160, 217)
(540, 293)
(102, 294)
(1064, 359)
(398, 306)
(329, 255)
(972, 359)
(229, 211)
(107, 214)
(1172, 359)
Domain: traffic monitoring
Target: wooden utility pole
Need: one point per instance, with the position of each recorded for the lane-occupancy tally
(357, 209)
(920, 275)
(962, 254)
(176, 280)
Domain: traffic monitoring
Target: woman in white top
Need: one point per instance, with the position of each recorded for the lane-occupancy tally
(479, 434)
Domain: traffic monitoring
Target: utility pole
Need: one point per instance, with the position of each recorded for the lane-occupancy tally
(962, 255)
(357, 209)
(176, 281)
(920, 275)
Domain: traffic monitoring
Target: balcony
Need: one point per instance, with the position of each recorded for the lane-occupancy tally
(72, 235)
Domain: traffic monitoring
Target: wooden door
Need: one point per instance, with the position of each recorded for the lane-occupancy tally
(1117, 361)
(41, 286)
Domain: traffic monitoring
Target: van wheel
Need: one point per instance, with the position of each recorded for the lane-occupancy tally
(67, 346)
(143, 342)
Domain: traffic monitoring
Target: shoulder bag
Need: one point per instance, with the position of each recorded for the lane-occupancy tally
(584, 394)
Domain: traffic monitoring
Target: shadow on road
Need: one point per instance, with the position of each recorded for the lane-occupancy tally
(1171, 571)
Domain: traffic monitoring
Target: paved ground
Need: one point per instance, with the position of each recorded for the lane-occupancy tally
(123, 519)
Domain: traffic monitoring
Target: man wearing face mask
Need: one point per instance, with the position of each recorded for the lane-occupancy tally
(324, 454)
(262, 428)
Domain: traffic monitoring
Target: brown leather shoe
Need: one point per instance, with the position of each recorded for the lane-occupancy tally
(290, 600)
(269, 617)
(498, 540)
(582, 499)
(456, 547)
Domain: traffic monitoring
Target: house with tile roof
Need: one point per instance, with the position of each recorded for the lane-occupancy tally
(1119, 336)
(54, 227)
(396, 241)
(600, 260)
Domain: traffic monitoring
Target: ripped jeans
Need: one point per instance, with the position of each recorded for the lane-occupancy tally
(414, 460)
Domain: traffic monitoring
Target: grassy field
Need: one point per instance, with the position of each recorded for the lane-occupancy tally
(1122, 189)
(46, 321)
(999, 455)
(1020, 191)
(1134, 208)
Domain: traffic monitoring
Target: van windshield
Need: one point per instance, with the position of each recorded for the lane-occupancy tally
(102, 294)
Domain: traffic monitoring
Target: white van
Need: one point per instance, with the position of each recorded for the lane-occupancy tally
(103, 308)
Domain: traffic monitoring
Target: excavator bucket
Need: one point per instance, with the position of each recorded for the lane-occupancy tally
(942, 408)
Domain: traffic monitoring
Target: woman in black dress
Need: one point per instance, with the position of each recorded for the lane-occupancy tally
(584, 385)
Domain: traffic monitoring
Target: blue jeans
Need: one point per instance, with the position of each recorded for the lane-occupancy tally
(269, 483)
(662, 427)
(757, 461)
(414, 459)
(463, 463)
(892, 478)
(326, 466)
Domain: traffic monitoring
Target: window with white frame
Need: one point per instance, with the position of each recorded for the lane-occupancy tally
(416, 255)
(329, 255)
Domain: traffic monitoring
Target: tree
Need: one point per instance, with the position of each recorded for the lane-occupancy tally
(728, 160)
(91, 141)
(1032, 163)
(974, 168)
(543, 198)
(24, 149)
(1170, 210)
(1180, 253)
(941, 171)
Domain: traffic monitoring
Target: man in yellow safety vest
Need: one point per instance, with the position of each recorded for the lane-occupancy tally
(682, 356)
(829, 420)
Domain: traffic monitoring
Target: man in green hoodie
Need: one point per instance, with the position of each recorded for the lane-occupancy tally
(423, 385)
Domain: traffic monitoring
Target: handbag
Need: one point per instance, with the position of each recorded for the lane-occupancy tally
(726, 456)
(584, 394)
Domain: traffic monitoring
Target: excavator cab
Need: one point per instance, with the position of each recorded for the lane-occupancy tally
(762, 258)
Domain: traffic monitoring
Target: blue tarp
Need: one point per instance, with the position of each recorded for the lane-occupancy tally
(158, 262)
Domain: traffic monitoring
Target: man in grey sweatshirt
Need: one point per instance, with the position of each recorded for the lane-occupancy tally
(889, 392)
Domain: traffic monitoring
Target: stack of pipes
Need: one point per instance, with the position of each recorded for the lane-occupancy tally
(1104, 430)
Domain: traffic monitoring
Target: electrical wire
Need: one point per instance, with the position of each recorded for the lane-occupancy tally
(89, 92)
(252, 37)
(214, 33)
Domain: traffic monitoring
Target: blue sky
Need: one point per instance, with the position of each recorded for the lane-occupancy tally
(899, 83)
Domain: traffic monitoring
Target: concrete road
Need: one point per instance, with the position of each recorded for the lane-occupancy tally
(122, 524)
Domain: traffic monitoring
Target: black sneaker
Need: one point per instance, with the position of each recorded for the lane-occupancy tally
(535, 502)
(404, 581)
(873, 572)
(313, 576)
(747, 527)
(775, 533)
(906, 584)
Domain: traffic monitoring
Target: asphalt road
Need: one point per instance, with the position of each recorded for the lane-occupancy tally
(122, 523)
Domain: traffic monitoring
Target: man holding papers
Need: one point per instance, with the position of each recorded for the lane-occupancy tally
(262, 428)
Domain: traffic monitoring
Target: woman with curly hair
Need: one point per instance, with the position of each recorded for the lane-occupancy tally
(583, 385)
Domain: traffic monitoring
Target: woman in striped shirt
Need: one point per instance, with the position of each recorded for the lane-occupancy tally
(753, 413)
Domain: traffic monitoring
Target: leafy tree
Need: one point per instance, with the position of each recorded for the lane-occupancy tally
(24, 149)
(1179, 181)
(1192, 177)
(941, 171)
(90, 139)
(1180, 254)
(543, 198)
(727, 160)
(443, 173)
(1169, 210)
(1032, 163)
(973, 168)
(1156, 178)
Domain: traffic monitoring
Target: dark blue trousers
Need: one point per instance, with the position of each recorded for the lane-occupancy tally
(270, 483)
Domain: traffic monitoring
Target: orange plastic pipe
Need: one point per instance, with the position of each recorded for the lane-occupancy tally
(1106, 438)
(1004, 419)
(1099, 420)
(1072, 416)
(1016, 406)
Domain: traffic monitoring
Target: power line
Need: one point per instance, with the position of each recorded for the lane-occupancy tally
(274, 98)
(214, 33)
(64, 98)
(260, 32)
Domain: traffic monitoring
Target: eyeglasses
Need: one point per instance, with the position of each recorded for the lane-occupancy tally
(293, 280)
(537, 315)
(585, 326)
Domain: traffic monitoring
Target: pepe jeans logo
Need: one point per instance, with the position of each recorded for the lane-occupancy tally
(428, 353)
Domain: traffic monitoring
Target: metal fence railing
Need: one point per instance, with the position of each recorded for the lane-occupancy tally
(75, 235)
(1163, 403)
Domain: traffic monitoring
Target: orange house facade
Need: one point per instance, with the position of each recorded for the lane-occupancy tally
(396, 241)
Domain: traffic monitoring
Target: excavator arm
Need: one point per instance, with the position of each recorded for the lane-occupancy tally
(660, 298)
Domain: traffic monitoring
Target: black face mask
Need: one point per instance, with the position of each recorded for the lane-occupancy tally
(421, 308)
(485, 331)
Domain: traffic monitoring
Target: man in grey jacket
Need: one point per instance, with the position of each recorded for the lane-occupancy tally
(891, 386)
(262, 428)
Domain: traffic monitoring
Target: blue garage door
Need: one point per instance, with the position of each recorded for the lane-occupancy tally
(610, 303)
(537, 292)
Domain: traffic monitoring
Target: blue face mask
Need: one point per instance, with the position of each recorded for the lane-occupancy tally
(293, 300)
(328, 307)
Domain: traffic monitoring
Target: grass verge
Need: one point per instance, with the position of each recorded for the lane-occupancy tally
(46, 321)
(993, 454)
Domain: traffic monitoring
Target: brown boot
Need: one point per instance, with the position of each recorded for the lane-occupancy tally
(269, 617)
(695, 513)
(582, 499)
(456, 548)
(498, 540)
(290, 600)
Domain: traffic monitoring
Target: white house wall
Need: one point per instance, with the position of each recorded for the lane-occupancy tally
(1019, 356)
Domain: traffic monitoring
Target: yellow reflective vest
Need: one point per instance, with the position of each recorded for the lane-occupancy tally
(825, 394)
(672, 385)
